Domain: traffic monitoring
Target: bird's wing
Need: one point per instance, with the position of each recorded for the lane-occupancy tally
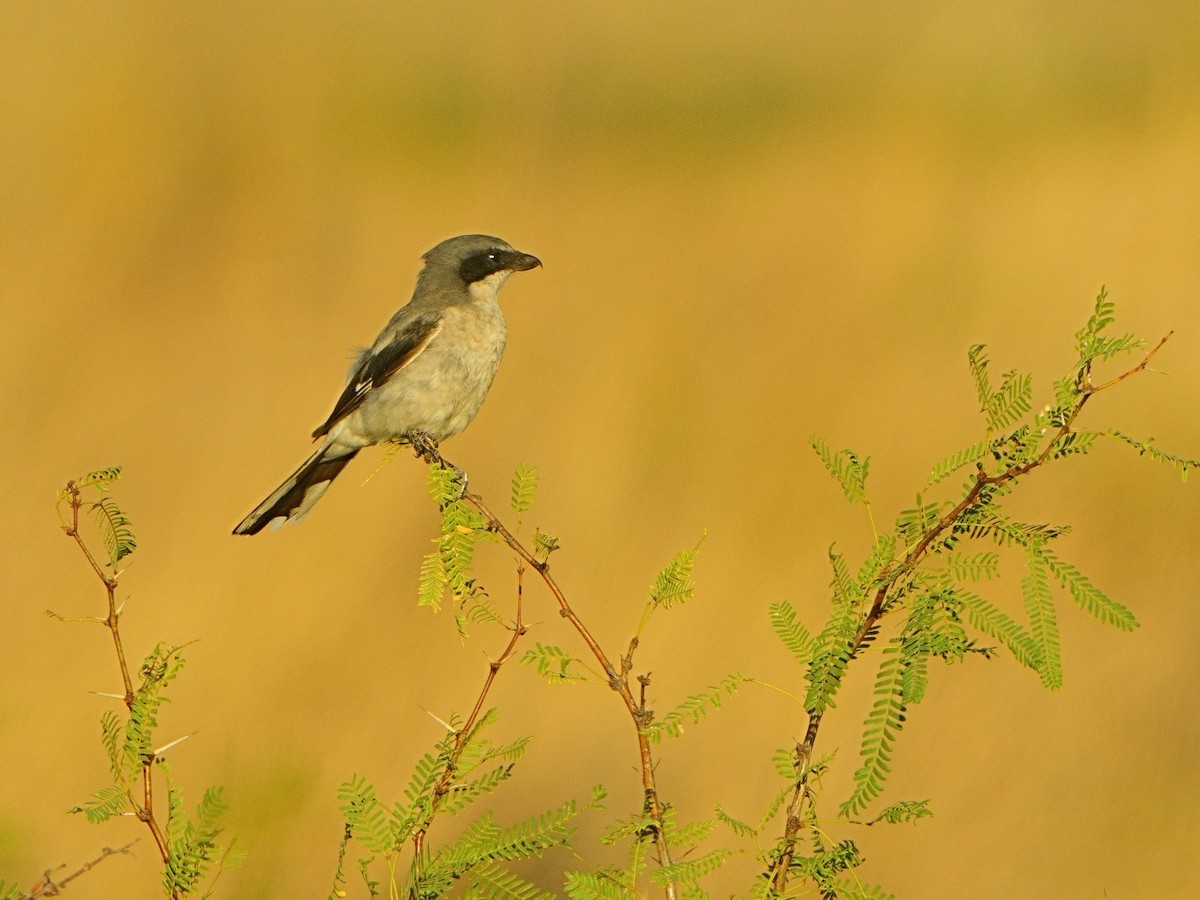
(380, 363)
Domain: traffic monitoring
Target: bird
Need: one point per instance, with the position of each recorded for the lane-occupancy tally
(422, 380)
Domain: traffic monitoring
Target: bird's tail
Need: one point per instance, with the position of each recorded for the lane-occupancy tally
(298, 494)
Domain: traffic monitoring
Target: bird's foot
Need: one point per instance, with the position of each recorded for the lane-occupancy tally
(426, 448)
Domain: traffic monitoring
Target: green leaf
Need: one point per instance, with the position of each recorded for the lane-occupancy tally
(551, 662)
(845, 466)
(737, 826)
(1011, 401)
(111, 737)
(510, 752)
(882, 555)
(987, 521)
(821, 867)
(1147, 448)
(462, 527)
(157, 671)
(543, 545)
(444, 486)
(192, 843)
(115, 530)
(1043, 624)
(1074, 443)
(882, 726)
(433, 581)
(596, 886)
(844, 586)
(104, 804)
(212, 807)
(977, 359)
(426, 774)
(462, 794)
(904, 811)
(1090, 342)
(101, 478)
(673, 584)
(832, 646)
(787, 624)
(912, 524)
(956, 461)
(690, 870)
(690, 835)
(784, 760)
(623, 828)
(914, 674)
(524, 487)
(694, 709)
(973, 566)
(1087, 596)
(495, 883)
(484, 841)
(365, 816)
(997, 624)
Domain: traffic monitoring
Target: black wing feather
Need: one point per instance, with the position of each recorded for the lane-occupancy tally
(377, 366)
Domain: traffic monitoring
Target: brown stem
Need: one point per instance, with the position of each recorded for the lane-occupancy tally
(460, 737)
(617, 679)
(144, 810)
(46, 886)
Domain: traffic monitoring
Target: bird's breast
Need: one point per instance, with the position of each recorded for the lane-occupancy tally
(441, 390)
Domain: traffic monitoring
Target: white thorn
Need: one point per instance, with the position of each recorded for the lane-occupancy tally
(445, 725)
(165, 747)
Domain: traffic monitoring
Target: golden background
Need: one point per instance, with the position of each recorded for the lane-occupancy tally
(758, 221)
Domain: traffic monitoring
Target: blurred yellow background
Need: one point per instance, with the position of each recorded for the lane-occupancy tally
(758, 221)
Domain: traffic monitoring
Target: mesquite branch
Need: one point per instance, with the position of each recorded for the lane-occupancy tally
(617, 675)
(143, 809)
(896, 576)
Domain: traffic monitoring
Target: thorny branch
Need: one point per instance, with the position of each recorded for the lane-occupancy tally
(462, 735)
(145, 809)
(780, 870)
(617, 676)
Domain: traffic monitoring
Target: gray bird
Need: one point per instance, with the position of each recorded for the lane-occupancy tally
(425, 376)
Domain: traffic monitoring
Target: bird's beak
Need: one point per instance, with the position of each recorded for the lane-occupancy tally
(522, 262)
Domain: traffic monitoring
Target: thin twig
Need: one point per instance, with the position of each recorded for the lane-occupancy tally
(46, 886)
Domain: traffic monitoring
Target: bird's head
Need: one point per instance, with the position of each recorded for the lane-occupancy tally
(479, 257)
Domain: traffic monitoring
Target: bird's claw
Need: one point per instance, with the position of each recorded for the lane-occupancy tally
(426, 448)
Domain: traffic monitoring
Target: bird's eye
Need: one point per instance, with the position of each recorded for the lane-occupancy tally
(492, 257)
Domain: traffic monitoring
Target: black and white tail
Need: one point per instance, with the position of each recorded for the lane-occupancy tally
(298, 494)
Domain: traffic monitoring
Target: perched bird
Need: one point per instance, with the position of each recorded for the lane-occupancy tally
(425, 376)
